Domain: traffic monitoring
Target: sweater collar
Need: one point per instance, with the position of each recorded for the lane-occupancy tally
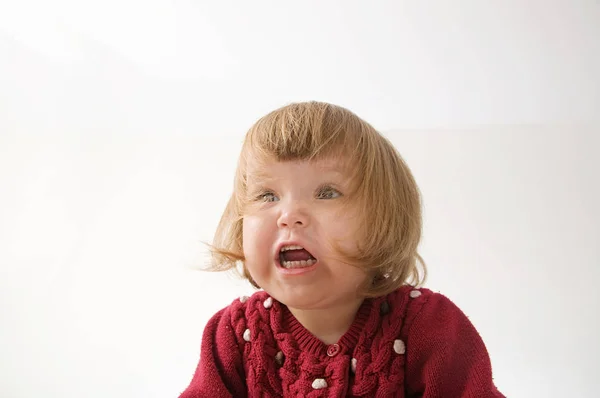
(311, 344)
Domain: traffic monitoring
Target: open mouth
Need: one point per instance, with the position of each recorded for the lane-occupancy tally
(294, 256)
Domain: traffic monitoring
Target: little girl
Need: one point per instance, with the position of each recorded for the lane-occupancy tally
(325, 219)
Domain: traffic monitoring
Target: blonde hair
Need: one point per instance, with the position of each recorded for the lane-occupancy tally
(384, 189)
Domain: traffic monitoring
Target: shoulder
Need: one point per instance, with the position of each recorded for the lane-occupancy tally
(444, 351)
(423, 308)
(242, 312)
(434, 325)
(407, 301)
(251, 307)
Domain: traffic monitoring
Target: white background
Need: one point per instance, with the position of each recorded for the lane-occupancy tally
(120, 126)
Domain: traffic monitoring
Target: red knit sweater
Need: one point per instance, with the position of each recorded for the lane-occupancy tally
(410, 343)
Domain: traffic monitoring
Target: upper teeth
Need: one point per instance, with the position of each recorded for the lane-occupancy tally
(291, 247)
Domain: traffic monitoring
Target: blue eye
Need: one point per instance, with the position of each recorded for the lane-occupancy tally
(267, 197)
(328, 193)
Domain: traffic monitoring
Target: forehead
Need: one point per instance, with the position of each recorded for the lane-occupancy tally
(269, 169)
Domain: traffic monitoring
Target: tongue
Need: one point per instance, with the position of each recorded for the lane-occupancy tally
(296, 255)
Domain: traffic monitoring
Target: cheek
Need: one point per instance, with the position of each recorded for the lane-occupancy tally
(344, 228)
(255, 234)
(247, 235)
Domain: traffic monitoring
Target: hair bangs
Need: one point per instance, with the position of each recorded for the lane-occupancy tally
(304, 132)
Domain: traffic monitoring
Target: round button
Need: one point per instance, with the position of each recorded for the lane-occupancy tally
(333, 350)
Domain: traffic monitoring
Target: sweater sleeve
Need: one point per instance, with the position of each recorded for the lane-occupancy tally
(445, 356)
(220, 371)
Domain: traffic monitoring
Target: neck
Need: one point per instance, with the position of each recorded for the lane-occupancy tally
(328, 324)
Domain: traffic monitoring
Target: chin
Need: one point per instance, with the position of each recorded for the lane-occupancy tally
(299, 300)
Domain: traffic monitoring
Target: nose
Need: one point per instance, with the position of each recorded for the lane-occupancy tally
(293, 216)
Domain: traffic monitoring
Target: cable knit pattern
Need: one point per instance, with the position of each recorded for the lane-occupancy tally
(410, 343)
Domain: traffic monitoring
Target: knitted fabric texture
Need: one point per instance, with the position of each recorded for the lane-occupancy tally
(410, 343)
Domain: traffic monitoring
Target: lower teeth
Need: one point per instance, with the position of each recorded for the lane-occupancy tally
(298, 264)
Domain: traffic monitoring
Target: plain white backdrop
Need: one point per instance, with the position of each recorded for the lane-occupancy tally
(120, 126)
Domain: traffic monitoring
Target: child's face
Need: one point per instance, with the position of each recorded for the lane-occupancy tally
(301, 204)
